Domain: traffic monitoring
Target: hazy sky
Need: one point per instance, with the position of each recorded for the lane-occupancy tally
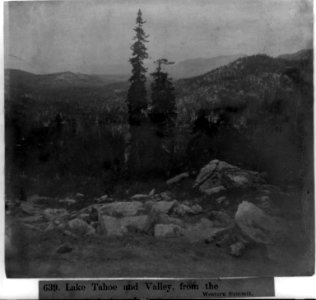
(95, 36)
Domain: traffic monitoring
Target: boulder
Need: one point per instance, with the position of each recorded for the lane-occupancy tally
(117, 227)
(258, 226)
(177, 178)
(111, 227)
(134, 223)
(160, 218)
(219, 176)
(121, 209)
(206, 172)
(167, 230)
(163, 206)
(80, 227)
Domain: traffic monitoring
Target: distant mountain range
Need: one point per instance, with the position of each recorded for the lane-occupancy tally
(183, 69)
(190, 75)
(61, 79)
(299, 55)
(198, 66)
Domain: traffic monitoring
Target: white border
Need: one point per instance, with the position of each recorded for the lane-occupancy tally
(285, 287)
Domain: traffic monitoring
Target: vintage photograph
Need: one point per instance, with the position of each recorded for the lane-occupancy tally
(154, 138)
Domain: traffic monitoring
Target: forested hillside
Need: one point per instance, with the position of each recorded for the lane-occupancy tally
(249, 112)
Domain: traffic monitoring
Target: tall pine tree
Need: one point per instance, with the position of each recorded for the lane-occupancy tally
(163, 110)
(137, 95)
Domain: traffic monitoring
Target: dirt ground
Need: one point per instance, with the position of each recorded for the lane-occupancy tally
(33, 255)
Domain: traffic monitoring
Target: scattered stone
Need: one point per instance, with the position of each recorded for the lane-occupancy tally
(55, 213)
(163, 206)
(28, 208)
(197, 209)
(237, 249)
(212, 191)
(37, 198)
(104, 197)
(122, 209)
(167, 230)
(152, 192)
(68, 201)
(177, 178)
(257, 225)
(221, 200)
(139, 197)
(80, 227)
(182, 210)
(64, 248)
(165, 196)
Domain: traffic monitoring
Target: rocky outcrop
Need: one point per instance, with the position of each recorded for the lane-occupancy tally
(218, 176)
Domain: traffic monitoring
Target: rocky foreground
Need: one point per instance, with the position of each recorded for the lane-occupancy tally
(236, 209)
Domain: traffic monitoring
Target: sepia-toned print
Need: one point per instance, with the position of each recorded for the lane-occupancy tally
(159, 138)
